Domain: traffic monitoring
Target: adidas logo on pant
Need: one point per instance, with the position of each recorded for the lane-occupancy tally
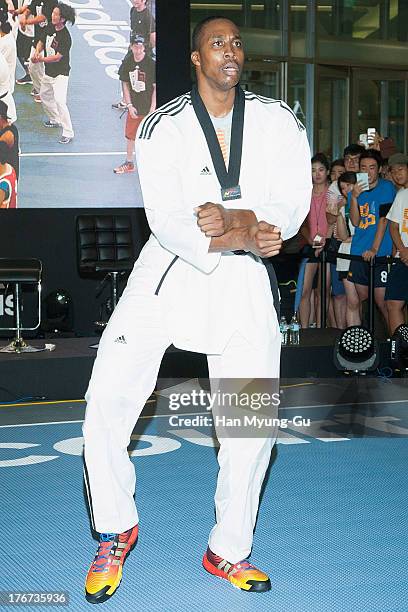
(120, 340)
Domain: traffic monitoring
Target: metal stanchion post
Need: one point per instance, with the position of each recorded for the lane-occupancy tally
(371, 296)
(323, 289)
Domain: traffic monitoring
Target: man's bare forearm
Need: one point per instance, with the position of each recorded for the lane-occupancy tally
(379, 234)
(235, 239)
(261, 239)
(396, 236)
(242, 218)
(354, 211)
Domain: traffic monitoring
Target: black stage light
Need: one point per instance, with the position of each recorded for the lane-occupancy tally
(356, 350)
(58, 312)
(399, 348)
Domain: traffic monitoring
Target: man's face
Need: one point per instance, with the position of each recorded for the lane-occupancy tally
(351, 163)
(139, 4)
(371, 167)
(319, 174)
(220, 56)
(56, 17)
(399, 174)
(138, 50)
(336, 172)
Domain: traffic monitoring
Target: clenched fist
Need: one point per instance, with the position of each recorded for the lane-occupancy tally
(213, 219)
(264, 239)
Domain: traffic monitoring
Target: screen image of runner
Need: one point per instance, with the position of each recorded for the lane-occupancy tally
(78, 111)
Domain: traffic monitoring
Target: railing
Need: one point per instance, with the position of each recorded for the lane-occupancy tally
(375, 261)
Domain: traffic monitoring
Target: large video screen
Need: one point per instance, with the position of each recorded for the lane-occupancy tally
(80, 170)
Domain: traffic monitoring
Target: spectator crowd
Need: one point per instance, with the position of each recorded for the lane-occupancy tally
(359, 207)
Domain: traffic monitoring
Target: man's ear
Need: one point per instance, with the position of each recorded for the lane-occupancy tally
(195, 58)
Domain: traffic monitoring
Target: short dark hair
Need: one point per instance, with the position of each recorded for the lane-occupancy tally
(67, 12)
(321, 159)
(353, 149)
(3, 110)
(336, 162)
(196, 35)
(347, 177)
(5, 27)
(4, 152)
(372, 154)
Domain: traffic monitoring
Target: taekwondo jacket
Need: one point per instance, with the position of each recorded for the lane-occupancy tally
(207, 297)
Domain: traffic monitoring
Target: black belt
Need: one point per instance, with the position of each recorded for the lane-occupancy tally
(273, 281)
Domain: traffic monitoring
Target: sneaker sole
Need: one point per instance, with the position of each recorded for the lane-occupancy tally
(107, 592)
(255, 587)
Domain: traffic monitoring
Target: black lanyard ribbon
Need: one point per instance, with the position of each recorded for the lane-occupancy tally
(228, 179)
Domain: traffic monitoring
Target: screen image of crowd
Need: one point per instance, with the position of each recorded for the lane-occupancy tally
(36, 52)
(359, 206)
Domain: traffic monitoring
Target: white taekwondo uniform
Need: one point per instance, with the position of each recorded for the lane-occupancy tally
(178, 292)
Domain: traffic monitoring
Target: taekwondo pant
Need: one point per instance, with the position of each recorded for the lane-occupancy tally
(123, 377)
(53, 95)
(36, 71)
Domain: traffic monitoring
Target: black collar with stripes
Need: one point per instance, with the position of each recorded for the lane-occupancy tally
(228, 179)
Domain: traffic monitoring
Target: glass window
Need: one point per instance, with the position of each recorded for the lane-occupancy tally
(297, 90)
(363, 19)
(247, 14)
(261, 77)
(380, 104)
(396, 113)
(332, 127)
(298, 28)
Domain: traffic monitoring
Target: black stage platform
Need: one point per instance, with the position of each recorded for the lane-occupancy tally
(64, 373)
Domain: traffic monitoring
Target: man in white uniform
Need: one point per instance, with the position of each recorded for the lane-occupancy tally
(225, 176)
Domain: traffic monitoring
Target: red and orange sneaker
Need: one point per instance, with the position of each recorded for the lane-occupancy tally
(105, 573)
(124, 168)
(242, 575)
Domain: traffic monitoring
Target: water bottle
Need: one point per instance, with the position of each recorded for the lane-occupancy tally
(283, 326)
(294, 330)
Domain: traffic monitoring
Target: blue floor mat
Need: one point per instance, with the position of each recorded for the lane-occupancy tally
(331, 531)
